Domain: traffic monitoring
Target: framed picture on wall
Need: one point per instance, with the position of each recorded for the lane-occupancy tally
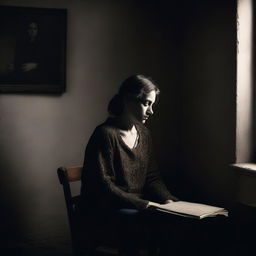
(32, 50)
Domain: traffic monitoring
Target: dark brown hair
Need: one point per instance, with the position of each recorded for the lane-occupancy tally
(134, 87)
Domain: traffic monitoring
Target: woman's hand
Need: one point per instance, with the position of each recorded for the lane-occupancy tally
(168, 201)
(153, 204)
(158, 205)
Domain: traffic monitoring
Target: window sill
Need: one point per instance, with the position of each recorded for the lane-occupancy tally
(246, 183)
(246, 168)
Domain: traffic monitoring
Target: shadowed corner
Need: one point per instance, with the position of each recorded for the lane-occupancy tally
(10, 214)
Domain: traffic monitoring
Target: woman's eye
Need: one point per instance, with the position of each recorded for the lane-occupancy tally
(145, 103)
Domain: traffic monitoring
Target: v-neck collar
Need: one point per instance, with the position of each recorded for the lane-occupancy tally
(113, 121)
(136, 143)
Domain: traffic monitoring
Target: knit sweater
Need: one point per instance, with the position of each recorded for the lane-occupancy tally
(116, 176)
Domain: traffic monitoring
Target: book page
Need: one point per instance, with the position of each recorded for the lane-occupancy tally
(193, 209)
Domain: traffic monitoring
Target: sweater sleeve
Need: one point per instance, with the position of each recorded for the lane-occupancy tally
(103, 158)
(154, 186)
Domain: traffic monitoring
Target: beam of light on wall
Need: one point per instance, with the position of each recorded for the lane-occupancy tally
(244, 81)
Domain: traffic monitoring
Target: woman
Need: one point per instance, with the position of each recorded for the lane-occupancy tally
(120, 173)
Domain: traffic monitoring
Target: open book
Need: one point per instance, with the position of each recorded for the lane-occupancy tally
(193, 210)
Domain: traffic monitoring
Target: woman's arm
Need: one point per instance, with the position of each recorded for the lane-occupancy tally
(154, 185)
(156, 188)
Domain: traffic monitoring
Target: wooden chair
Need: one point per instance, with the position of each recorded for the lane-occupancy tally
(66, 176)
(83, 242)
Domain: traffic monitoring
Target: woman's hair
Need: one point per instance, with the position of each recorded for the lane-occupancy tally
(133, 88)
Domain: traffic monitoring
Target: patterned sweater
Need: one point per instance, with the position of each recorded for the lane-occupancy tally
(116, 176)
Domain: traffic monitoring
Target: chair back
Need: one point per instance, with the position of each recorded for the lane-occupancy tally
(67, 175)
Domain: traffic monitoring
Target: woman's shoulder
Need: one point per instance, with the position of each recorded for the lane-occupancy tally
(102, 136)
(106, 129)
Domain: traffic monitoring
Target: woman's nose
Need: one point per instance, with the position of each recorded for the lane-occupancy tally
(150, 111)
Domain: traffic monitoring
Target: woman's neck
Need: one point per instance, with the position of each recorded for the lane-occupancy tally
(125, 123)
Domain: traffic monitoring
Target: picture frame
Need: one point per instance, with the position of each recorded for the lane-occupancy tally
(32, 50)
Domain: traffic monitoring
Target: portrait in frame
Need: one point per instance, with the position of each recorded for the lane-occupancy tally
(32, 50)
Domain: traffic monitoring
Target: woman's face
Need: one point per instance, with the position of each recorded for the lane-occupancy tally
(140, 110)
(33, 29)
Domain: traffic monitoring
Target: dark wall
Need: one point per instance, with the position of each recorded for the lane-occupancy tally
(208, 105)
(38, 133)
(188, 48)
